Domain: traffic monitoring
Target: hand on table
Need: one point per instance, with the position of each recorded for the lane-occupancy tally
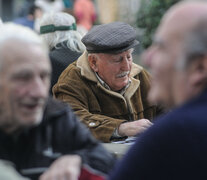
(134, 128)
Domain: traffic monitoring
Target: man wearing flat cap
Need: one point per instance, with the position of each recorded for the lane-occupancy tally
(105, 88)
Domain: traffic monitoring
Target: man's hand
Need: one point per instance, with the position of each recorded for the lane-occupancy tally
(65, 168)
(134, 128)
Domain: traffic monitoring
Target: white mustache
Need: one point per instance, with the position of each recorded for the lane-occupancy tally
(123, 74)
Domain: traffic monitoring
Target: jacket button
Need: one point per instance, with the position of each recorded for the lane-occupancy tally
(92, 124)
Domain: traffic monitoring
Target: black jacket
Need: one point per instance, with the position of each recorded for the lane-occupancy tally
(59, 133)
(61, 57)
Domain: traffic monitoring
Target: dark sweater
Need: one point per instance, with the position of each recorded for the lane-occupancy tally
(59, 133)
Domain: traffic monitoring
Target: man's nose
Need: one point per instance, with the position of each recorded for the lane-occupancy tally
(39, 88)
(147, 56)
(126, 63)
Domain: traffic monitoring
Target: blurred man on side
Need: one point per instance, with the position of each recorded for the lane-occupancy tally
(175, 146)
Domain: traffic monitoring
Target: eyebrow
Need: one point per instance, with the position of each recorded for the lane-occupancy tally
(120, 58)
(130, 51)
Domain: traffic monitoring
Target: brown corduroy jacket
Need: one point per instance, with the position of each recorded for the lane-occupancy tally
(100, 109)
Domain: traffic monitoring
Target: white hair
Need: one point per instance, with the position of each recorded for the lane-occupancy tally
(15, 32)
(72, 37)
(11, 31)
(1, 23)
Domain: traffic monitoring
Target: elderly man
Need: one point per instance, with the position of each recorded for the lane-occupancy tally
(175, 146)
(36, 131)
(105, 88)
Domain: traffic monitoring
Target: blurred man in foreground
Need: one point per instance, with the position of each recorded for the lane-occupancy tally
(36, 131)
(175, 146)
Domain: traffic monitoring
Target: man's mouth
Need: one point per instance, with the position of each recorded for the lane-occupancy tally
(32, 106)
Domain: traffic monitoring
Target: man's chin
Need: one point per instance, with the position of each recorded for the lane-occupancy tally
(33, 121)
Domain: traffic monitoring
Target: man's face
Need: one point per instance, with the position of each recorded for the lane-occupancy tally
(114, 69)
(24, 84)
(167, 82)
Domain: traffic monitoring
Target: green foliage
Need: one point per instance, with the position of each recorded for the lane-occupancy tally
(149, 16)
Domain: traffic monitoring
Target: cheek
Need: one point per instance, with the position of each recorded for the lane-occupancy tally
(162, 70)
(6, 104)
(161, 84)
(109, 72)
(114, 70)
(17, 92)
(179, 85)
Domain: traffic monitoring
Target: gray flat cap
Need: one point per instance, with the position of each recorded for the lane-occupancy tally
(110, 38)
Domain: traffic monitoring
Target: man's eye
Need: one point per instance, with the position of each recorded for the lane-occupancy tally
(117, 60)
(45, 76)
(23, 77)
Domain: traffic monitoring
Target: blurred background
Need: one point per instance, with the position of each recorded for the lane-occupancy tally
(143, 15)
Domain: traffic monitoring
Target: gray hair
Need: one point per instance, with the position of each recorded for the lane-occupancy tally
(194, 44)
(72, 37)
(11, 32)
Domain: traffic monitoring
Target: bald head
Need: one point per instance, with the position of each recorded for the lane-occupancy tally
(183, 17)
(180, 39)
(186, 10)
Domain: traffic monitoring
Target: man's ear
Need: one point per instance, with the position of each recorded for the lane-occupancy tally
(93, 60)
(198, 73)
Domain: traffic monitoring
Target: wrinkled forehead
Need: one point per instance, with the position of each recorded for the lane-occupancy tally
(20, 47)
(16, 51)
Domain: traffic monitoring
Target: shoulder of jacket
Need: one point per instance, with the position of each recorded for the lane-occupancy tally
(55, 108)
(135, 70)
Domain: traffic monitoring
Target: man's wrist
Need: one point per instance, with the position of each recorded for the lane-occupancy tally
(116, 134)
